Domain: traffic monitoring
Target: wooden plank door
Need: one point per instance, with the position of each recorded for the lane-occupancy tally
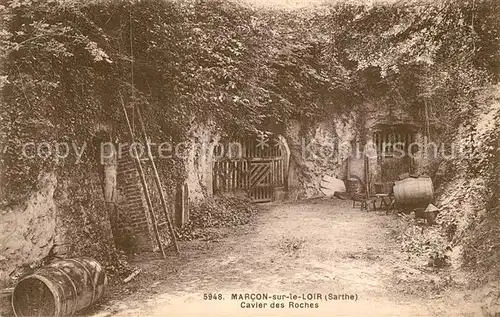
(261, 180)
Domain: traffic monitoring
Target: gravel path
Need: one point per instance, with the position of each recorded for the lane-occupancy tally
(319, 247)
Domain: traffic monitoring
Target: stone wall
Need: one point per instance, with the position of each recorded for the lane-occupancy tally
(131, 222)
(131, 225)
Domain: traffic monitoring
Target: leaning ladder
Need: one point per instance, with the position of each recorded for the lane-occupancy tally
(167, 222)
(145, 185)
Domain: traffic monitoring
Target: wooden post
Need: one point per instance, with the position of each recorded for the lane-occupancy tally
(179, 205)
(185, 215)
(367, 176)
(348, 172)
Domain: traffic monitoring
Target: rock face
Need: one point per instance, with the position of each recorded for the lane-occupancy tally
(314, 152)
(199, 160)
(328, 148)
(27, 233)
(67, 211)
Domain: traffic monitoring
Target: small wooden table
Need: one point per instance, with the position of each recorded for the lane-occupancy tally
(386, 200)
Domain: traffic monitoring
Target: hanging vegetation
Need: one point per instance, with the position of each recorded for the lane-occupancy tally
(66, 63)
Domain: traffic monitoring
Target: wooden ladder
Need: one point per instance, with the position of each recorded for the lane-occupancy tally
(138, 163)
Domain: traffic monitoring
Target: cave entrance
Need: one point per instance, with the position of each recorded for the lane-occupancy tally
(393, 142)
(256, 165)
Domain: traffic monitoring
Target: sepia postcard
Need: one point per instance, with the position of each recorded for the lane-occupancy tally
(249, 158)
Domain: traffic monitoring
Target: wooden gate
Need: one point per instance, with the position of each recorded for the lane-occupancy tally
(259, 169)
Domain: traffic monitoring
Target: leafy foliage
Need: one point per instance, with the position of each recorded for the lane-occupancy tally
(216, 213)
(67, 63)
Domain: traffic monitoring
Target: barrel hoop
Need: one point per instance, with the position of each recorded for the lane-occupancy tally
(74, 290)
(89, 275)
(52, 289)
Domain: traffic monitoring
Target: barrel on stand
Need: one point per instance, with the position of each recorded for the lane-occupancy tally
(414, 192)
(60, 289)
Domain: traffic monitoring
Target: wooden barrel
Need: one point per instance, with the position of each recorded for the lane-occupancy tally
(414, 191)
(352, 185)
(59, 289)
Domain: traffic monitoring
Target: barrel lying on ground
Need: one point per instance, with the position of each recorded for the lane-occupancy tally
(60, 289)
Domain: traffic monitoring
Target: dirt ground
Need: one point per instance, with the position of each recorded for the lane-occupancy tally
(319, 247)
